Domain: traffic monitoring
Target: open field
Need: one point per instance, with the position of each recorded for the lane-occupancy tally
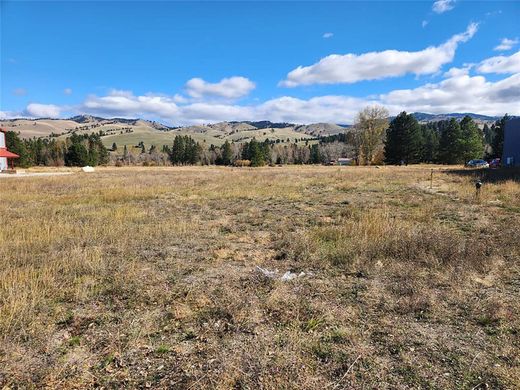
(148, 277)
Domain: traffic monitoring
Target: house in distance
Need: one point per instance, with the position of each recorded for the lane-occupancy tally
(6, 157)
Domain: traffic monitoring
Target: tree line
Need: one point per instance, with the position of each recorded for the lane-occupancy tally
(373, 139)
(76, 150)
(442, 142)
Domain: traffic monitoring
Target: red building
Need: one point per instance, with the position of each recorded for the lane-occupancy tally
(6, 156)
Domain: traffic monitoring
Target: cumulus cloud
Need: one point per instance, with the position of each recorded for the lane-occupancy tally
(351, 68)
(441, 6)
(462, 89)
(506, 44)
(454, 72)
(328, 35)
(67, 91)
(125, 104)
(501, 64)
(229, 88)
(37, 110)
(459, 93)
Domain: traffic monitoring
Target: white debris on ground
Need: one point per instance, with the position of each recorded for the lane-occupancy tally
(87, 169)
(274, 274)
(291, 275)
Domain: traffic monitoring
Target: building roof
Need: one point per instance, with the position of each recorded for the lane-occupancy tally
(5, 153)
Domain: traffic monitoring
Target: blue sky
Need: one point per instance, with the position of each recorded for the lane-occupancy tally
(199, 62)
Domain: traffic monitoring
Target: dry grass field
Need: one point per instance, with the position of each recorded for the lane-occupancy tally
(149, 278)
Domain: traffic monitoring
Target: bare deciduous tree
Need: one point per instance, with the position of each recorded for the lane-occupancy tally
(371, 123)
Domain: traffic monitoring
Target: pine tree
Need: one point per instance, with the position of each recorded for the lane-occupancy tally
(254, 152)
(77, 155)
(177, 152)
(498, 139)
(403, 140)
(472, 140)
(16, 145)
(227, 154)
(93, 154)
(315, 157)
(114, 147)
(450, 143)
(430, 148)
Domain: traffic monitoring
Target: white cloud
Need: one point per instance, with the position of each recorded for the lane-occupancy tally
(506, 44)
(441, 6)
(125, 104)
(459, 93)
(501, 64)
(37, 110)
(328, 35)
(67, 91)
(454, 72)
(351, 68)
(178, 98)
(424, 23)
(229, 88)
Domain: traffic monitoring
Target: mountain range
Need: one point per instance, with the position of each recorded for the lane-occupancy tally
(124, 131)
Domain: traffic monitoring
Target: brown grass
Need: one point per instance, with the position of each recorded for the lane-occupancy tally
(147, 277)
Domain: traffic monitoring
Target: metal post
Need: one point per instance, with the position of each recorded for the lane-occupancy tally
(478, 186)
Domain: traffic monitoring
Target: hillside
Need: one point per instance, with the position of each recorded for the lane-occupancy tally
(132, 131)
(124, 131)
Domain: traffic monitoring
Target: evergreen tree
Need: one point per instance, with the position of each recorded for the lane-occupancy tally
(498, 139)
(185, 150)
(403, 140)
(177, 152)
(93, 154)
(16, 145)
(227, 154)
(114, 147)
(254, 152)
(472, 140)
(77, 155)
(430, 137)
(450, 151)
(125, 153)
(316, 157)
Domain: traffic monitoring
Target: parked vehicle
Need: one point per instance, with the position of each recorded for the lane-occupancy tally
(495, 163)
(477, 164)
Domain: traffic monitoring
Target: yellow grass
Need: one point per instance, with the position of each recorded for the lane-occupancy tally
(135, 277)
